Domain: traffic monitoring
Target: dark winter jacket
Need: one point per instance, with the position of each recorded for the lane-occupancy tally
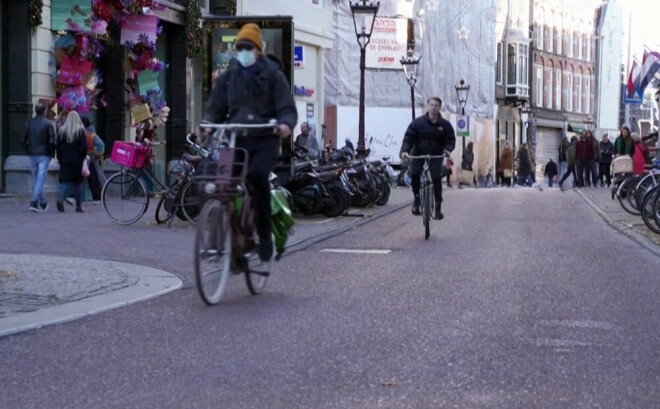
(467, 160)
(562, 151)
(550, 169)
(424, 137)
(584, 150)
(71, 157)
(606, 151)
(252, 95)
(39, 136)
(524, 164)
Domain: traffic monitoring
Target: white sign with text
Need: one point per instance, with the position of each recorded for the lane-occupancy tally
(388, 43)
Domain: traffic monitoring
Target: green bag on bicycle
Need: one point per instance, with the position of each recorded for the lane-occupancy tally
(281, 219)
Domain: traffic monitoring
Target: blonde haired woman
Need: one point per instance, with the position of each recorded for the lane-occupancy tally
(71, 151)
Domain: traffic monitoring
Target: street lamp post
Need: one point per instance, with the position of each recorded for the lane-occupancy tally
(364, 15)
(589, 124)
(410, 65)
(525, 117)
(462, 91)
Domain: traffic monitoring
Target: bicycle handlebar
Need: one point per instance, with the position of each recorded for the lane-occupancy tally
(270, 124)
(444, 155)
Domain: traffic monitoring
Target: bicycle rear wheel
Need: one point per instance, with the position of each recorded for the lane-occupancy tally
(256, 280)
(164, 209)
(124, 197)
(213, 251)
(189, 202)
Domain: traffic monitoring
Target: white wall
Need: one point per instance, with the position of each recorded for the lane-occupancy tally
(43, 41)
(609, 92)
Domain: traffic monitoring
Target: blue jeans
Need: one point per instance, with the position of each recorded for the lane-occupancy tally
(563, 168)
(39, 168)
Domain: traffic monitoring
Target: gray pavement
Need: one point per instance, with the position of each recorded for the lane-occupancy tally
(37, 289)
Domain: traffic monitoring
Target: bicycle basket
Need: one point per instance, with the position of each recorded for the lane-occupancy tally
(179, 169)
(129, 154)
(222, 176)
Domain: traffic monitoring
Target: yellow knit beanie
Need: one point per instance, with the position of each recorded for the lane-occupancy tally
(250, 32)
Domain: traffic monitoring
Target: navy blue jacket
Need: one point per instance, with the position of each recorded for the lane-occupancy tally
(424, 137)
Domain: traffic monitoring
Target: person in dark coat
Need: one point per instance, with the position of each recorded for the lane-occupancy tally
(550, 171)
(584, 154)
(71, 151)
(429, 134)
(254, 91)
(606, 154)
(39, 142)
(524, 177)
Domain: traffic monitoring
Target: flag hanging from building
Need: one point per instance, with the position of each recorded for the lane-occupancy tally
(650, 66)
(633, 95)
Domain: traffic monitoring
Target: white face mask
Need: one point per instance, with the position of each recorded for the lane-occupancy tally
(246, 58)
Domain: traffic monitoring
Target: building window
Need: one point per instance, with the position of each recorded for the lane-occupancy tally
(569, 91)
(558, 89)
(550, 36)
(580, 41)
(578, 92)
(548, 87)
(559, 40)
(587, 91)
(517, 75)
(570, 43)
(539, 86)
(511, 66)
(587, 55)
(539, 36)
(499, 65)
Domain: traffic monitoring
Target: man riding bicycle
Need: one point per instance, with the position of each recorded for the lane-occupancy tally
(253, 91)
(429, 134)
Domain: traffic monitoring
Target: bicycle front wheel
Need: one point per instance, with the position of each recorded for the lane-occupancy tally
(124, 197)
(649, 209)
(426, 209)
(164, 209)
(213, 251)
(626, 195)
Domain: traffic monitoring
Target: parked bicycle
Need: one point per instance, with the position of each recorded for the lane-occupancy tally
(127, 193)
(426, 197)
(226, 234)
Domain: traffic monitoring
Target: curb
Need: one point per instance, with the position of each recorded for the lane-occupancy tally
(151, 283)
(620, 227)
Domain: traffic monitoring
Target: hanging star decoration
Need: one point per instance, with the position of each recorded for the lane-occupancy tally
(463, 33)
(431, 4)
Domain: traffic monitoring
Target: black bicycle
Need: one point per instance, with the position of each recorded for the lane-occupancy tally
(426, 197)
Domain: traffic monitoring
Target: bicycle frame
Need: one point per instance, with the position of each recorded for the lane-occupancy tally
(426, 191)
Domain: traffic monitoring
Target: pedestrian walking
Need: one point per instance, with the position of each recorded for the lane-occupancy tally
(595, 164)
(95, 153)
(39, 143)
(550, 171)
(606, 149)
(624, 143)
(71, 153)
(506, 163)
(524, 177)
(584, 153)
(563, 164)
(570, 162)
(467, 160)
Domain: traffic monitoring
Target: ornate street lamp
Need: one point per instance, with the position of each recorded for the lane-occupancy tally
(589, 124)
(364, 15)
(526, 114)
(462, 91)
(410, 65)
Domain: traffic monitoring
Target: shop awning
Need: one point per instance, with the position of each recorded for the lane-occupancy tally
(575, 128)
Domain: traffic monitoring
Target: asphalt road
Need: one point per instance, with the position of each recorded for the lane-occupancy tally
(520, 299)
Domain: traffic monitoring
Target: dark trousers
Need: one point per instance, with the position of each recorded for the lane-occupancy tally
(263, 156)
(569, 171)
(605, 171)
(435, 166)
(583, 169)
(95, 185)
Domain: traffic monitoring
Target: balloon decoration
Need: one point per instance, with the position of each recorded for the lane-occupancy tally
(79, 46)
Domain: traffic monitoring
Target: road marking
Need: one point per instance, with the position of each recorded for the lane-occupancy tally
(357, 251)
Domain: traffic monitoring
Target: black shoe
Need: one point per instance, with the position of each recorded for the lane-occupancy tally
(43, 206)
(79, 209)
(34, 206)
(265, 249)
(60, 206)
(438, 214)
(415, 207)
